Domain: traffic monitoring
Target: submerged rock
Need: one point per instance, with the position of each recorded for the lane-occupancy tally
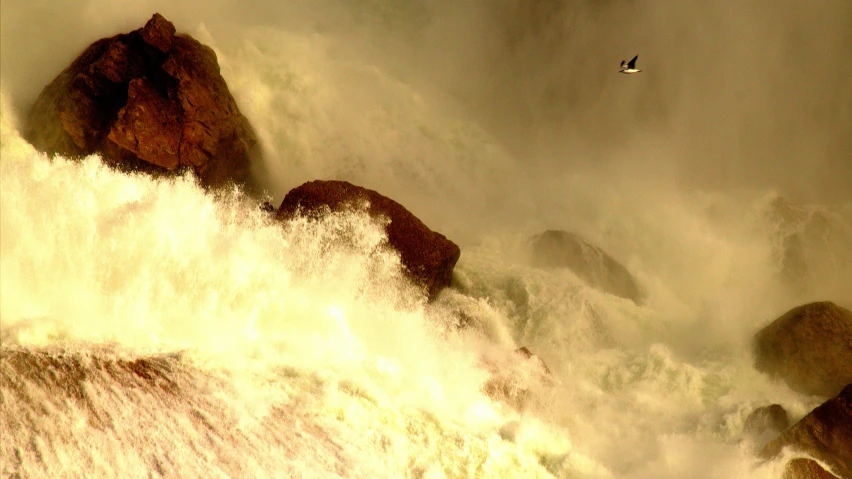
(773, 417)
(62, 404)
(67, 377)
(429, 257)
(810, 347)
(811, 244)
(526, 353)
(802, 468)
(765, 424)
(824, 434)
(513, 382)
(267, 207)
(790, 250)
(147, 101)
(562, 249)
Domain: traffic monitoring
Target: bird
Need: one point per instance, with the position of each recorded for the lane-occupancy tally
(629, 67)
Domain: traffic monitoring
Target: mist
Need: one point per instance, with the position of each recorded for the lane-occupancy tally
(734, 95)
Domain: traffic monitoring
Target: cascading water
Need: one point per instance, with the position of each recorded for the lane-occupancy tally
(150, 328)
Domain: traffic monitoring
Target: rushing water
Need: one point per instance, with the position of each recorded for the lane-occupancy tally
(152, 329)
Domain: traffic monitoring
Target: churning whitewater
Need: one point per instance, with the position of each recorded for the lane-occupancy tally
(153, 329)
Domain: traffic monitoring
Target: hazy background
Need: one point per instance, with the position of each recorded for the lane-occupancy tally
(745, 94)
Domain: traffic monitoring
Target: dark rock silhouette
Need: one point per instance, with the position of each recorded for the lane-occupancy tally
(824, 434)
(810, 347)
(555, 248)
(147, 101)
(428, 256)
(766, 422)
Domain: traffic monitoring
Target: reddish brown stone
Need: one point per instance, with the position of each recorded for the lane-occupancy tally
(148, 101)
(824, 434)
(810, 347)
(428, 256)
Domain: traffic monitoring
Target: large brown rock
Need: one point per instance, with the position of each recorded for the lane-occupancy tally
(555, 248)
(824, 434)
(428, 256)
(148, 101)
(810, 347)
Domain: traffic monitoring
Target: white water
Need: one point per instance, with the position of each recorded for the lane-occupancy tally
(296, 354)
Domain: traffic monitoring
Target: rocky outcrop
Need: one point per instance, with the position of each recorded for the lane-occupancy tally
(428, 256)
(561, 249)
(810, 347)
(147, 101)
(824, 434)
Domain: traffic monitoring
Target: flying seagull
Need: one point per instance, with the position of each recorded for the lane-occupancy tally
(629, 67)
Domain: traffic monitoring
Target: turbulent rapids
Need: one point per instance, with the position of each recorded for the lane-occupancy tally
(152, 327)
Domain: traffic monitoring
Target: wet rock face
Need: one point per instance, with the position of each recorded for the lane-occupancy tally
(147, 101)
(428, 256)
(810, 347)
(555, 248)
(801, 468)
(824, 434)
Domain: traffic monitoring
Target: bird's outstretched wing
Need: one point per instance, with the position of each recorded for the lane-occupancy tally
(632, 63)
(623, 64)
